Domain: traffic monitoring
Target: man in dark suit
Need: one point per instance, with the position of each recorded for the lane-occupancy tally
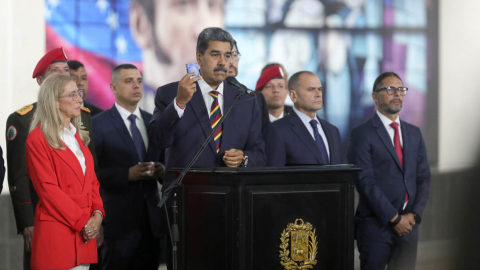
(301, 137)
(24, 197)
(394, 182)
(129, 171)
(186, 111)
(233, 71)
(273, 84)
(77, 70)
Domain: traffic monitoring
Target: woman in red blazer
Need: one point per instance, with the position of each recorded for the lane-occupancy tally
(70, 210)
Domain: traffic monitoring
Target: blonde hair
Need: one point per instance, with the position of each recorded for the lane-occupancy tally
(48, 114)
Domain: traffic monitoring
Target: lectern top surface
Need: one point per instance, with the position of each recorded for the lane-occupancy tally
(287, 169)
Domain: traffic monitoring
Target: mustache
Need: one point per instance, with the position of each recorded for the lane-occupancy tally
(396, 99)
(220, 68)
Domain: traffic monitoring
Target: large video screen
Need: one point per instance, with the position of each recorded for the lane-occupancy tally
(347, 43)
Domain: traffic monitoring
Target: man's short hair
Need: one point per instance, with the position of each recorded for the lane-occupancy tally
(295, 79)
(236, 46)
(213, 34)
(379, 80)
(117, 69)
(74, 64)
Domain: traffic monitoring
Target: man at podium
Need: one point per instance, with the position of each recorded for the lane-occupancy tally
(187, 111)
(302, 137)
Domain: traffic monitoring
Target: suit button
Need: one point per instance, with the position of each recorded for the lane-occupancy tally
(69, 186)
(13, 188)
(405, 180)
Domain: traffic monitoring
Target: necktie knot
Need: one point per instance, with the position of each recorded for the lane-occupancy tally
(394, 125)
(213, 93)
(314, 125)
(132, 118)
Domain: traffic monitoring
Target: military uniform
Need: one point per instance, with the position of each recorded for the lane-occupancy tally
(24, 197)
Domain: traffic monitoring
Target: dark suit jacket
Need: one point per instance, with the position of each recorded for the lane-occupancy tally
(182, 137)
(94, 110)
(287, 110)
(262, 106)
(2, 170)
(288, 142)
(383, 183)
(123, 200)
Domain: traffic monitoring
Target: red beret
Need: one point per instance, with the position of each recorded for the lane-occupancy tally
(267, 75)
(57, 54)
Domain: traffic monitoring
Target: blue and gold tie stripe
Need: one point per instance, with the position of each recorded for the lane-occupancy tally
(215, 116)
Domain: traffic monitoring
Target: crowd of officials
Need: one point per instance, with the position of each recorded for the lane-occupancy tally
(84, 182)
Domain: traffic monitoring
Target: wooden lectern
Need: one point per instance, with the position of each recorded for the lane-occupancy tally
(267, 218)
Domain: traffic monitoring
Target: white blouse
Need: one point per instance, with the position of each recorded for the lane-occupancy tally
(68, 137)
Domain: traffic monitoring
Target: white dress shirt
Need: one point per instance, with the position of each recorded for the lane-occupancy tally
(273, 118)
(205, 88)
(139, 122)
(386, 122)
(68, 137)
(306, 121)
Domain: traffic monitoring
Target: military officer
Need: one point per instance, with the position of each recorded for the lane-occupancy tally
(24, 197)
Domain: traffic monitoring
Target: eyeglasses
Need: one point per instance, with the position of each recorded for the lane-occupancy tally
(392, 89)
(236, 55)
(74, 95)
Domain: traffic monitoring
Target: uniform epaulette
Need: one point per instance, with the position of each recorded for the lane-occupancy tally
(85, 109)
(25, 109)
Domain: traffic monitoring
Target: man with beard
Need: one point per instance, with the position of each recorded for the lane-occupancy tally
(394, 182)
(24, 197)
(77, 71)
(233, 71)
(166, 31)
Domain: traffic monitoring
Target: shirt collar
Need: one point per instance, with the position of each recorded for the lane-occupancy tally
(386, 121)
(205, 88)
(70, 131)
(124, 113)
(305, 118)
(273, 118)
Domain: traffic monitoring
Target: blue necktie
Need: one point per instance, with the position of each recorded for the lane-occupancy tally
(137, 137)
(319, 142)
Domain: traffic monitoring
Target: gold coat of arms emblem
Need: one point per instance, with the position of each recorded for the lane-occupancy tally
(298, 248)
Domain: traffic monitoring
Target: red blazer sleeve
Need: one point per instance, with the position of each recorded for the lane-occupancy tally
(41, 168)
(97, 200)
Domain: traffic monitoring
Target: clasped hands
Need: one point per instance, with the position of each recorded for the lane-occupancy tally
(405, 226)
(233, 157)
(92, 228)
(146, 170)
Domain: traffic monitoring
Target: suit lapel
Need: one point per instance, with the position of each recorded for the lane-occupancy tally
(71, 160)
(382, 132)
(89, 166)
(329, 135)
(406, 146)
(200, 110)
(229, 123)
(304, 136)
(123, 132)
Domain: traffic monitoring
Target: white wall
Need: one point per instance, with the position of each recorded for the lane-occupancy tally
(22, 44)
(459, 108)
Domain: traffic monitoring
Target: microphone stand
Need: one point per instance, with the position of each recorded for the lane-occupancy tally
(174, 233)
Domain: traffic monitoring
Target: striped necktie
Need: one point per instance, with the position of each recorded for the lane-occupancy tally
(215, 116)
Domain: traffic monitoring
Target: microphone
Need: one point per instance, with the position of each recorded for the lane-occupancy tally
(233, 81)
